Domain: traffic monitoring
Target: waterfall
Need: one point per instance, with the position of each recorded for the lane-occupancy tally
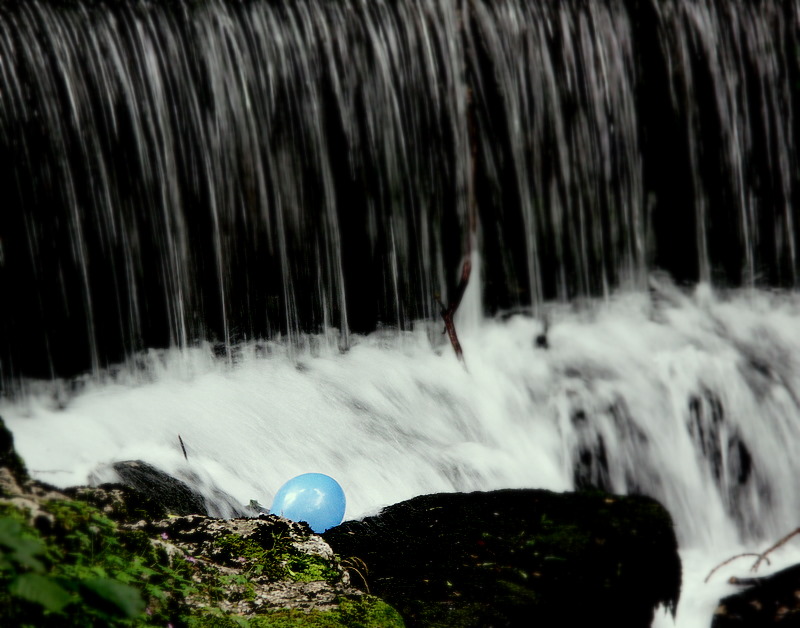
(231, 219)
(221, 171)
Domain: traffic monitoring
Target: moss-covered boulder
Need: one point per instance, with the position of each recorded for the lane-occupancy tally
(517, 558)
(85, 569)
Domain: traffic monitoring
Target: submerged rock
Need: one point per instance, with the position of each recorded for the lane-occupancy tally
(517, 558)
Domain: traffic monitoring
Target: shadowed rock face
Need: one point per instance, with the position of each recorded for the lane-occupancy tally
(770, 601)
(9, 459)
(518, 557)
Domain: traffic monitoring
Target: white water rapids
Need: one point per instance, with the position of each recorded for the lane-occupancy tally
(394, 417)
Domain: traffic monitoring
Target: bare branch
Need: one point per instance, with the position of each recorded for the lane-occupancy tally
(448, 312)
(763, 556)
(746, 582)
(730, 560)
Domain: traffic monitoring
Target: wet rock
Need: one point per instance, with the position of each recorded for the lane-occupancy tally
(728, 460)
(769, 601)
(173, 495)
(159, 491)
(517, 558)
(9, 459)
(119, 502)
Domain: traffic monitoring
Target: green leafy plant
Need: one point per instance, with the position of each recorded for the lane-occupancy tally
(84, 572)
(22, 570)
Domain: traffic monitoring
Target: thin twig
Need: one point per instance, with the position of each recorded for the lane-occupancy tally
(448, 312)
(730, 560)
(763, 556)
(183, 448)
(355, 564)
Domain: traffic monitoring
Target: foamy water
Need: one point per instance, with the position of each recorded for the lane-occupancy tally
(693, 400)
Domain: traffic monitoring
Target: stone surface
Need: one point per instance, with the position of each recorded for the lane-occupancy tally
(121, 503)
(769, 601)
(260, 564)
(9, 459)
(172, 494)
(517, 558)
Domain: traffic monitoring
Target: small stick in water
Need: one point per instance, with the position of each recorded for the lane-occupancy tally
(183, 448)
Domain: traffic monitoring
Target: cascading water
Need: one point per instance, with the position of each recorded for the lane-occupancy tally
(222, 170)
(228, 220)
(565, 94)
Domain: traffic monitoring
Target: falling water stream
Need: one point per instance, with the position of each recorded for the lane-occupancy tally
(231, 220)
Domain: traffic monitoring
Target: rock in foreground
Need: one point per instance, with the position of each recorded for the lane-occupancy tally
(116, 556)
(517, 558)
(769, 601)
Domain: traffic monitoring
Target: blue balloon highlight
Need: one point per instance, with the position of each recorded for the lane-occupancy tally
(315, 498)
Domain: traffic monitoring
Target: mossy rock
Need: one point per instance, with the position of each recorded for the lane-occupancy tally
(517, 558)
(363, 612)
(88, 570)
(120, 502)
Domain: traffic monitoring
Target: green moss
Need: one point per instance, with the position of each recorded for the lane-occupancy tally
(305, 568)
(87, 571)
(9, 510)
(368, 611)
(363, 612)
(281, 561)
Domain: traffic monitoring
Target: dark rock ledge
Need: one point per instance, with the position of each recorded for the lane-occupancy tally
(135, 555)
(518, 558)
(772, 600)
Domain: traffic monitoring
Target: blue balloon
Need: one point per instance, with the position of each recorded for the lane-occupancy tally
(315, 498)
